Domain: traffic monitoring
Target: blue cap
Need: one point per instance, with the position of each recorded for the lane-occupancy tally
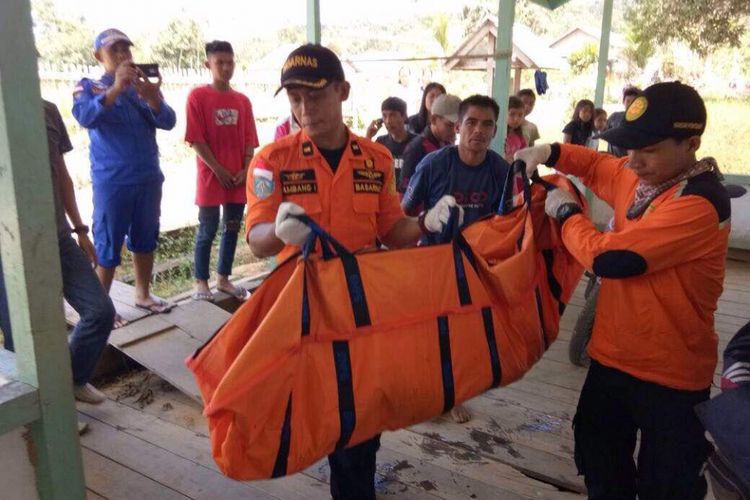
(109, 37)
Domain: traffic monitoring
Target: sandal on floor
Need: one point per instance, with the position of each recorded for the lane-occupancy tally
(156, 307)
(238, 293)
(207, 296)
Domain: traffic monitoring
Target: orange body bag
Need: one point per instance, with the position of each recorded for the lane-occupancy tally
(331, 350)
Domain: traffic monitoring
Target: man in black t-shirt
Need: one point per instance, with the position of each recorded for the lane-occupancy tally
(394, 118)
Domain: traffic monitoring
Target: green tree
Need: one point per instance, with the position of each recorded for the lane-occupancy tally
(638, 50)
(703, 25)
(180, 45)
(292, 34)
(583, 58)
(60, 38)
(438, 26)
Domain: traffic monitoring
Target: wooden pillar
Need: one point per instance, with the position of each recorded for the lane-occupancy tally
(516, 80)
(601, 74)
(28, 240)
(503, 52)
(313, 21)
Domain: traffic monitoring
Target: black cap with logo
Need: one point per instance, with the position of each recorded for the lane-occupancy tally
(662, 111)
(311, 65)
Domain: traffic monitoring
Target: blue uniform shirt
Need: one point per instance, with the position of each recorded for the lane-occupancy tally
(477, 189)
(122, 137)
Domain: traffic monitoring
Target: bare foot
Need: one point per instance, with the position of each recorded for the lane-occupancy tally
(155, 306)
(460, 414)
(119, 321)
(235, 291)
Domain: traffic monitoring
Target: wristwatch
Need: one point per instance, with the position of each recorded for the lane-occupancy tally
(566, 211)
(83, 229)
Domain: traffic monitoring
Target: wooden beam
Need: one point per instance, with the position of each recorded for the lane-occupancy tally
(506, 14)
(313, 21)
(28, 241)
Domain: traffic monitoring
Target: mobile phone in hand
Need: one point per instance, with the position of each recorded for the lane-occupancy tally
(379, 122)
(151, 70)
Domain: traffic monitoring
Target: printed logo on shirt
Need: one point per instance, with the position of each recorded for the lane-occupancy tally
(307, 148)
(368, 180)
(262, 183)
(298, 182)
(471, 199)
(226, 116)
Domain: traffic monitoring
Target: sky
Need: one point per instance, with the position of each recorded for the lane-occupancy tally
(242, 18)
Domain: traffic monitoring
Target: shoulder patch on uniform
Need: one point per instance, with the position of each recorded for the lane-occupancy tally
(307, 148)
(707, 186)
(262, 183)
(356, 150)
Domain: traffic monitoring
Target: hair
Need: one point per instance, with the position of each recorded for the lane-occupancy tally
(423, 111)
(218, 46)
(526, 92)
(479, 101)
(630, 91)
(515, 102)
(579, 106)
(599, 112)
(394, 104)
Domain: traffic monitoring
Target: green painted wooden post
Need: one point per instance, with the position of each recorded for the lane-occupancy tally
(28, 240)
(601, 74)
(313, 21)
(506, 14)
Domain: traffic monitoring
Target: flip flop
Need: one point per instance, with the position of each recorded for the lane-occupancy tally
(207, 296)
(238, 293)
(119, 322)
(156, 307)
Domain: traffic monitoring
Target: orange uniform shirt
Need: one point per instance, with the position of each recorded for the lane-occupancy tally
(356, 204)
(662, 272)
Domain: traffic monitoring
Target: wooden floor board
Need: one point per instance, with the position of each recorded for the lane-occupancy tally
(113, 481)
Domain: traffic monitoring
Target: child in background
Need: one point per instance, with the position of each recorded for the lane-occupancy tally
(579, 128)
(514, 139)
(221, 130)
(529, 129)
(600, 124)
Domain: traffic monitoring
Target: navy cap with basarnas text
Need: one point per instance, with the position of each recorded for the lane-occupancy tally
(311, 65)
(662, 111)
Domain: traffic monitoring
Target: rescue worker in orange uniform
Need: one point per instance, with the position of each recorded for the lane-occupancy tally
(654, 348)
(343, 182)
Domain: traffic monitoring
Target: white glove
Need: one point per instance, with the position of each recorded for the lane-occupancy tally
(290, 230)
(437, 217)
(533, 156)
(556, 198)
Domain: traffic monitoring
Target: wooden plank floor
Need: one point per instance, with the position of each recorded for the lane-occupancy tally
(151, 441)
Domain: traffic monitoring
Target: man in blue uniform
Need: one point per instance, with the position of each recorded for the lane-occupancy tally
(122, 111)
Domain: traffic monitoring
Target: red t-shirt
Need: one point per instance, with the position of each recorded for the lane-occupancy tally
(513, 142)
(224, 121)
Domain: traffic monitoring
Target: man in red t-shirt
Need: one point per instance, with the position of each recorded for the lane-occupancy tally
(221, 130)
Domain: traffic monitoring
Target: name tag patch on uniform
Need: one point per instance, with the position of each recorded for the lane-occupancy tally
(298, 182)
(368, 180)
(262, 183)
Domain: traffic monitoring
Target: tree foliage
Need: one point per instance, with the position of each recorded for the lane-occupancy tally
(703, 25)
(180, 45)
(583, 58)
(60, 38)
